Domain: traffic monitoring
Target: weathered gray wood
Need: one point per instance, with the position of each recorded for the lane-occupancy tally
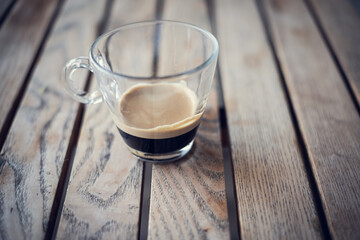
(103, 196)
(327, 116)
(188, 197)
(20, 37)
(32, 157)
(273, 192)
(341, 22)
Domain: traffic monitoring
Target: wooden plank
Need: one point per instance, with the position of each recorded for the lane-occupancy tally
(273, 193)
(341, 23)
(188, 197)
(21, 33)
(32, 156)
(103, 197)
(327, 116)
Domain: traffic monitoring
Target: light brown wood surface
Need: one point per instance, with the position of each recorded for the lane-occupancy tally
(188, 197)
(341, 22)
(20, 38)
(273, 193)
(328, 119)
(103, 196)
(34, 150)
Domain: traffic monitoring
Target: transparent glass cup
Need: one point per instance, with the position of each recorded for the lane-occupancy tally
(155, 77)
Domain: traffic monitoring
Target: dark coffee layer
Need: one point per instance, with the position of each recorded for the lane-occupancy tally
(156, 146)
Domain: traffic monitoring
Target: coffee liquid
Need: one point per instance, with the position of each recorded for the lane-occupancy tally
(158, 118)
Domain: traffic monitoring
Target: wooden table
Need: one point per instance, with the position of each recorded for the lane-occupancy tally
(277, 155)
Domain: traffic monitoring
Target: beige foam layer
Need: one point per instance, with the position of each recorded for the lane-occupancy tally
(142, 116)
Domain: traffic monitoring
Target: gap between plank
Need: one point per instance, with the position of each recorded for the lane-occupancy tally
(6, 12)
(65, 174)
(326, 40)
(147, 166)
(301, 143)
(18, 99)
(145, 200)
(60, 193)
(230, 190)
(159, 13)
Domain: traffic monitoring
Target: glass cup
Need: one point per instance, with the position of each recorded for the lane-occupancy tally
(155, 77)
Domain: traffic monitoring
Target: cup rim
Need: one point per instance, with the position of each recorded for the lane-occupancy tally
(191, 71)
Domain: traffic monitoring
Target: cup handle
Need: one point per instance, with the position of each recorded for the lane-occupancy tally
(67, 80)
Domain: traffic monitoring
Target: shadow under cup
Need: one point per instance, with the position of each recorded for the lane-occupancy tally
(155, 78)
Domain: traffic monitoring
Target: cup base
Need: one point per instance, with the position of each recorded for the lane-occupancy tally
(162, 157)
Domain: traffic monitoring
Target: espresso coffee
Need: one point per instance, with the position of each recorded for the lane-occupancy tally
(158, 118)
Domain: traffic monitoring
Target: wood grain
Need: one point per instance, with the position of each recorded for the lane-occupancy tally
(103, 197)
(21, 33)
(188, 197)
(328, 119)
(273, 192)
(341, 23)
(32, 156)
